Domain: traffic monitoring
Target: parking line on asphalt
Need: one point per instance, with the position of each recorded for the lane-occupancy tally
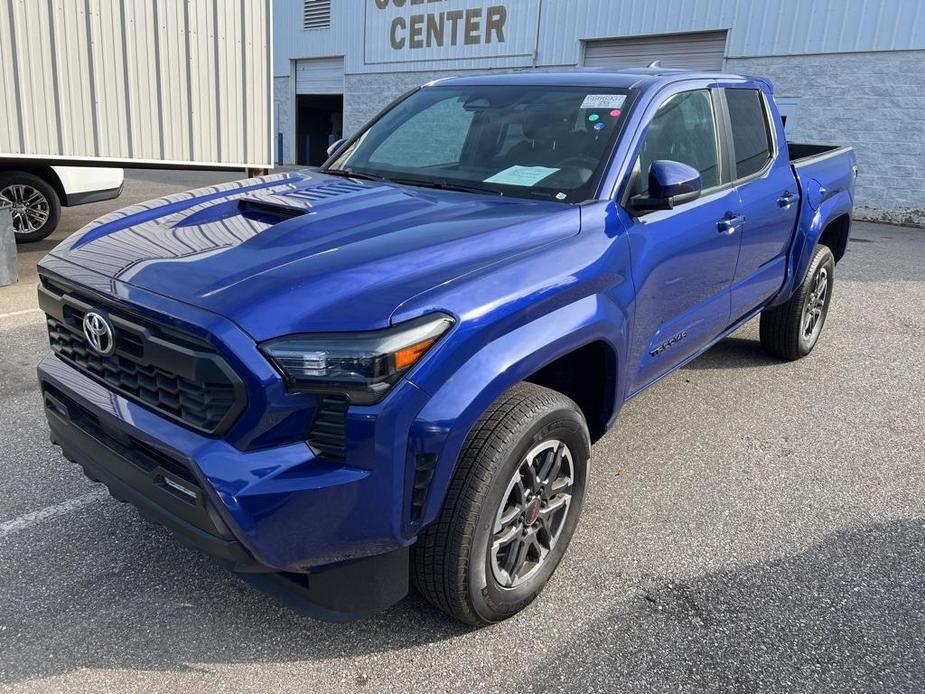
(28, 520)
(11, 314)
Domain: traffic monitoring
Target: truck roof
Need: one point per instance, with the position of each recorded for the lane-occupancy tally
(624, 78)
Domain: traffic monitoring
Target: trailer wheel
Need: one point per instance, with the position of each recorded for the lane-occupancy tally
(791, 330)
(511, 509)
(34, 204)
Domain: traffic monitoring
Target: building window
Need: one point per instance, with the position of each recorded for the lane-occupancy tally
(316, 14)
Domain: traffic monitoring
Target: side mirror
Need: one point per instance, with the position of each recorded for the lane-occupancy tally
(336, 145)
(671, 183)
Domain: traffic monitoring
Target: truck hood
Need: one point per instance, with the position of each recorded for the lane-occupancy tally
(307, 251)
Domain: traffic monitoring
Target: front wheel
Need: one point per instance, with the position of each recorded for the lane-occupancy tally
(511, 509)
(792, 329)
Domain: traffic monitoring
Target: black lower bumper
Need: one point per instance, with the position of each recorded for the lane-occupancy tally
(74, 199)
(167, 492)
(162, 488)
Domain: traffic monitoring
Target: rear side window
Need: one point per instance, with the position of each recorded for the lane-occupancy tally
(750, 137)
(684, 130)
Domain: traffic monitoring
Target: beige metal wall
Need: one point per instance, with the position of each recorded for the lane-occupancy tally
(144, 81)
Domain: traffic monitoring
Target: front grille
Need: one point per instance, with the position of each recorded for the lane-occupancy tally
(168, 372)
(328, 434)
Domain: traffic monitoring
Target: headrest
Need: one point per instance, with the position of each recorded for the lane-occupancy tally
(545, 125)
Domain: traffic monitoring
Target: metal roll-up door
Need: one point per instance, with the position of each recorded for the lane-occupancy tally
(698, 51)
(319, 76)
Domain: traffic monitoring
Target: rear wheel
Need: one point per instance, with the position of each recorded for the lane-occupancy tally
(511, 510)
(34, 205)
(792, 329)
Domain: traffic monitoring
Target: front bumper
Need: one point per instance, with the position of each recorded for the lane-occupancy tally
(280, 509)
(160, 487)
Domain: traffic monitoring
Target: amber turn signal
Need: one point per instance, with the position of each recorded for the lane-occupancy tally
(405, 358)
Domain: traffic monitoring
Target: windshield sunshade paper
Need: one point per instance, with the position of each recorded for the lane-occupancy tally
(521, 175)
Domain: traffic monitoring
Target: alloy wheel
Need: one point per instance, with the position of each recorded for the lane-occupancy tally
(814, 310)
(532, 513)
(29, 207)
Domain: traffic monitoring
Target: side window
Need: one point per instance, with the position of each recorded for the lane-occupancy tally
(683, 129)
(750, 137)
(444, 126)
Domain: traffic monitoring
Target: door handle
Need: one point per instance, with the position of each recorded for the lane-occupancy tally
(730, 223)
(787, 199)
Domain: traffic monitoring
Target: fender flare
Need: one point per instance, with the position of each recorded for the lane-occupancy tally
(813, 221)
(442, 425)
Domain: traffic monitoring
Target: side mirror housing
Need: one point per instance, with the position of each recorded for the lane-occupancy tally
(671, 183)
(336, 145)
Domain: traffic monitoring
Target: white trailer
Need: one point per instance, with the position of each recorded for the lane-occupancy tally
(127, 83)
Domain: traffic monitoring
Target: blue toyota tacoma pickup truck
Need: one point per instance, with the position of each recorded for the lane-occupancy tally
(390, 370)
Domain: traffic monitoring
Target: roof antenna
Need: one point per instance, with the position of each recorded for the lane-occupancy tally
(654, 64)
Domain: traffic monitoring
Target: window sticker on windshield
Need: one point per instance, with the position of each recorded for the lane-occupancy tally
(521, 175)
(603, 101)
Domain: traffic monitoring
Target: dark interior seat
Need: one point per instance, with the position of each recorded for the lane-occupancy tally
(546, 140)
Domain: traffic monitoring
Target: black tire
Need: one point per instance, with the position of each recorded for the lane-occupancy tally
(783, 329)
(50, 204)
(452, 562)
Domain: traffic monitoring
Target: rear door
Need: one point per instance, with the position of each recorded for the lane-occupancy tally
(683, 259)
(769, 198)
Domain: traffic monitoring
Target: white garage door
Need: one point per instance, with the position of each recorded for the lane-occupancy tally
(319, 76)
(700, 51)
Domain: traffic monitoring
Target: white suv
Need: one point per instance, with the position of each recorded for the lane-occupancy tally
(36, 194)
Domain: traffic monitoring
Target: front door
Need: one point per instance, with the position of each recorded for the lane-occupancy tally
(683, 259)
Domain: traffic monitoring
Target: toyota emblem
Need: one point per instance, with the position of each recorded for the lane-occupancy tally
(98, 331)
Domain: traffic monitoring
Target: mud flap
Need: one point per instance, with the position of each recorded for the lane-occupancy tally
(340, 592)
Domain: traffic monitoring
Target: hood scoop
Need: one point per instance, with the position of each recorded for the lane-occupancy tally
(277, 206)
(268, 210)
(271, 207)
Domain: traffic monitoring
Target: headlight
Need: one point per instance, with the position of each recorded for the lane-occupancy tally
(361, 365)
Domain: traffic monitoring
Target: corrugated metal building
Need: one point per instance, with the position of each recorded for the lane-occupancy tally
(846, 71)
(137, 81)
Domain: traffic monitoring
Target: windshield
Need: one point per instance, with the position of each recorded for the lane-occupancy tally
(528, 141)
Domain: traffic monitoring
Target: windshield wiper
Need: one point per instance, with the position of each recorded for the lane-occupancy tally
(353, 173)
(443, 184)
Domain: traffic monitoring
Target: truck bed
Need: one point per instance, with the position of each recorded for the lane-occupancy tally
(822, 169)
(825, 175)
(802, 153)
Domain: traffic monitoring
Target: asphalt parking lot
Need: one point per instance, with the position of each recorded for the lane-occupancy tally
(751, 526)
